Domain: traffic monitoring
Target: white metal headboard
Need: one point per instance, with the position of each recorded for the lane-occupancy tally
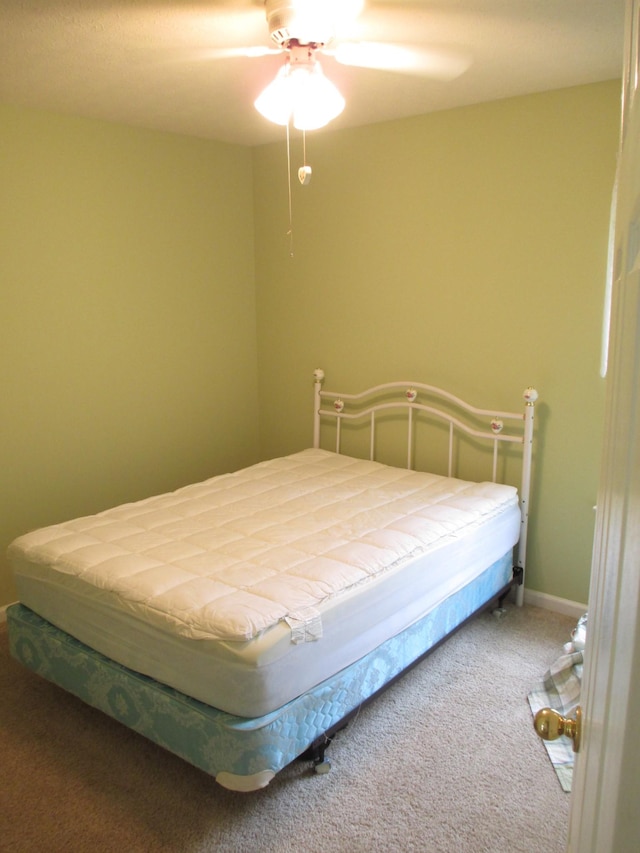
(362, 406)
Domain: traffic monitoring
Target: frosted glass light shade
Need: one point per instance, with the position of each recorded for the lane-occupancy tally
(302, 93)
(317, 101)
(274, 102)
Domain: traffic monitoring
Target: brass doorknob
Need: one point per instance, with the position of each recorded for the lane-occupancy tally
(549, 724)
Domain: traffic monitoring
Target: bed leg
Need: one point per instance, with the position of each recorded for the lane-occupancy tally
(315, 752)
(499, 610)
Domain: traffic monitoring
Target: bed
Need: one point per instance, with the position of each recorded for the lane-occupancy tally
(240, 622)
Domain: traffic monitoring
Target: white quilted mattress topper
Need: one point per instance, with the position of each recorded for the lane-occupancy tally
(232, 556)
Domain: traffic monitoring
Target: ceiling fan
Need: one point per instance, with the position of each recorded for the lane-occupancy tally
(303, 31)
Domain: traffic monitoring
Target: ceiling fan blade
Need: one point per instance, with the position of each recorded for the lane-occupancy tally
(402, 59)
(246, 51)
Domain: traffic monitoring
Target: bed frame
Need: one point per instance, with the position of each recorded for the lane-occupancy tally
(245, 754)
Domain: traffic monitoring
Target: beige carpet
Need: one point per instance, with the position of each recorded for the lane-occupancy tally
(446, 760)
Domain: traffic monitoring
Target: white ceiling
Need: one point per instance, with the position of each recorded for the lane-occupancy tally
(164, 64)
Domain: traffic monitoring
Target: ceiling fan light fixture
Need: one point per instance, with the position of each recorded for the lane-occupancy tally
(317, 100)
(274, 102)
(300, 92)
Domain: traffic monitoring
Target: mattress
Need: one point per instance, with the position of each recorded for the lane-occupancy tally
(246, 590)
(242, 754)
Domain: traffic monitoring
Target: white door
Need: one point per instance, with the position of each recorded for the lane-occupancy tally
(605, 806)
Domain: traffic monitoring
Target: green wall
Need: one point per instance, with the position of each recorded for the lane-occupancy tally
(127, 316)
(147, 297)
(464, 248)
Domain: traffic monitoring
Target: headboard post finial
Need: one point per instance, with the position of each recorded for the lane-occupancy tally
(318, 375)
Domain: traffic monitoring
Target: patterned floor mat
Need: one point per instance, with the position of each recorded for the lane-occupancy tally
(560, 690)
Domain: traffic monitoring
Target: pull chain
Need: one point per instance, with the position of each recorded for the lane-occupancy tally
(290, 231)
(304, 176)
(304, 173)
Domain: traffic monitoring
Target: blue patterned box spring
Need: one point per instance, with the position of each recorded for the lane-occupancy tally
(242, 754)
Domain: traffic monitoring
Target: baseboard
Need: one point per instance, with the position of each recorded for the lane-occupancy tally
(552, 602)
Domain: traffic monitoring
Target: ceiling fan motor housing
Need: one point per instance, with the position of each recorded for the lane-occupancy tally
(300, 23)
